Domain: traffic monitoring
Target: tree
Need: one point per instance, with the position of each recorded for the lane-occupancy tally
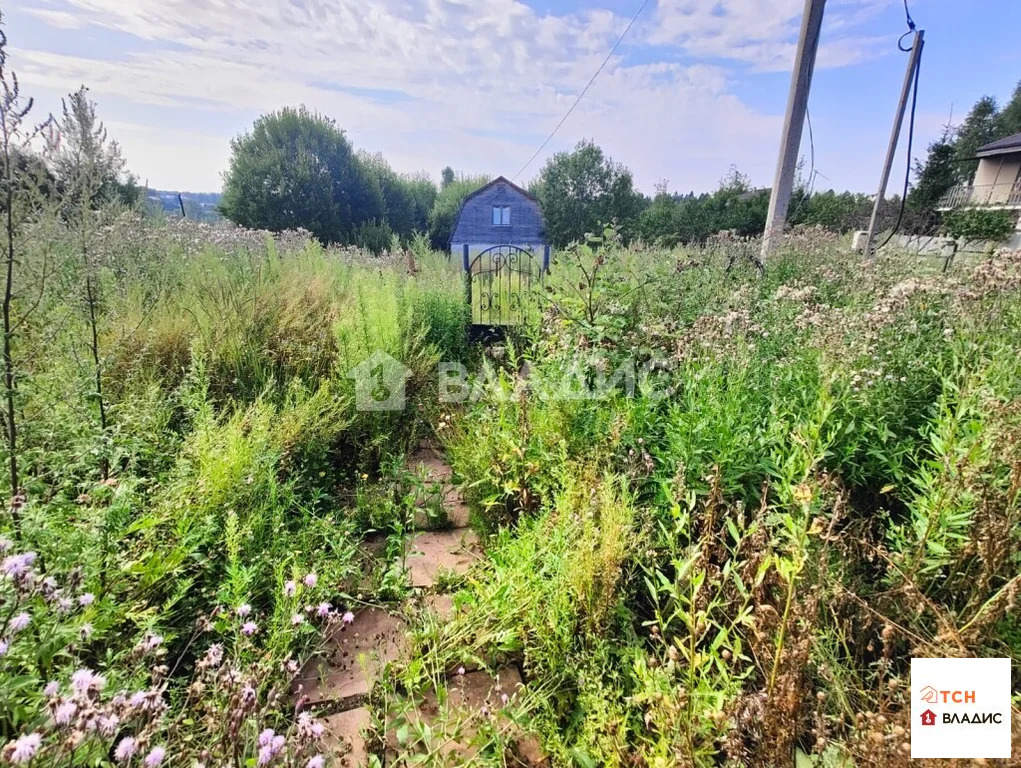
(1008, 122)
(446, 207)
(297, 169)
(582, 190)
(934, 177)
(398, 203)
(446, 177)
(979, 128)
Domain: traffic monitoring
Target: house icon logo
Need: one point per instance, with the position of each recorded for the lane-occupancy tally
(928, 694)
(379, 383)
(928, 717)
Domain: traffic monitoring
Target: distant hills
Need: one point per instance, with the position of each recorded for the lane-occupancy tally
(200, 206)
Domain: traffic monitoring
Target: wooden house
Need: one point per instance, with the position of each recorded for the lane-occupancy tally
(498, 214)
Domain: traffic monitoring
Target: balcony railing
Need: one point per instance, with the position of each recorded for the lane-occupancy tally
(992, 195)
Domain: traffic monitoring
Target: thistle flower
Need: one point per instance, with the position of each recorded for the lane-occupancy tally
(348, 617)
(311, 579)
(249, 628)
(323, 610)
(4, 645)
(248, 694)
(297, 619)
(155, 757)
(152, 642)
(125, 750)
(17, 565)
(85, 631)
(65, 712)
(19, 622)
(316, 761)
(85, 680)
(52, 689)
(290, 588)
(64, 605)
(243, 610)
(108, 725)
(86, 599)
(23, 749)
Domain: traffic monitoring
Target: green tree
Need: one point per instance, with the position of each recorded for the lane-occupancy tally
(296, 169)
(581, 190)
(934, 177)
(1008, 122)
(446, 207)
(398, 202)
(446, 177)
(979, 127)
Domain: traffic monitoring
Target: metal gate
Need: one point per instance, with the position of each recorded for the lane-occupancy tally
(499, 283)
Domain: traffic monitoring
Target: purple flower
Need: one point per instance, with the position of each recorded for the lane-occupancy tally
(85, 631)
(65, 712)
(266, 737)
(248, 694)
(348, 617)
(214, 655)
(25, 747)
(4, 645)
(86, 599)
(311, 579)
(460, 670)
(108, 725)
(323, 610)
(64, 605)
(125, 749)
(20, 621)
(152, 642)
(316, 761)
(244, 609)
(85, 680)
(155, 757)
(249, 628)
(17, 565)
(290, 588)
(297, 619)
(52, 689)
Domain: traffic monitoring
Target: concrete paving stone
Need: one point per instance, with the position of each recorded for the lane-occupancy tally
(344, 740)
(353, 658)
(431, 554)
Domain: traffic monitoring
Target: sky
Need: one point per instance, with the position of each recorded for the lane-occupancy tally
(696, 86)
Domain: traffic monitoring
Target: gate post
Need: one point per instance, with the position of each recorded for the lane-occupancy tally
(468, 282)
(545, 259)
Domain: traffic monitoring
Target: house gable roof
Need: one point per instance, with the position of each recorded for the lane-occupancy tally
(499, 180)
(1008, 144)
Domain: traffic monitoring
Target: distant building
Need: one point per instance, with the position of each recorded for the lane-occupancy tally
(997, 181)
(499, 213)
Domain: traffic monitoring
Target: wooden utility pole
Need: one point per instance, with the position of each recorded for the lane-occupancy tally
(790, 139)
(891, 150)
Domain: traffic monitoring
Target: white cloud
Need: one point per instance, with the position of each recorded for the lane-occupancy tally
(483, 81)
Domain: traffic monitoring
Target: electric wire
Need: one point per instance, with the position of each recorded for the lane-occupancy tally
(583, 90)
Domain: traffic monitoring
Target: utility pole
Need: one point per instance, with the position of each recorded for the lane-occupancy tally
(891, 150)
(790, 139)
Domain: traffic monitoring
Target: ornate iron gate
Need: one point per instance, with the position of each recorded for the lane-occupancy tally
(499, 282)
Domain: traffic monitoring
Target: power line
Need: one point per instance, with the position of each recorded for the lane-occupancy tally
(584, 90)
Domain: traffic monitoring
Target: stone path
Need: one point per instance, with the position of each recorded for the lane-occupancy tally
(338, 683)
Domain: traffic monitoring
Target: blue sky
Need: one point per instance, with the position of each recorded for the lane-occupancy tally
(697, 86)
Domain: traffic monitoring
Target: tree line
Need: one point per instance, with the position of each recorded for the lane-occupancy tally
(297, 168)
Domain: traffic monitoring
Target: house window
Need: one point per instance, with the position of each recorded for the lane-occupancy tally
(501, 215)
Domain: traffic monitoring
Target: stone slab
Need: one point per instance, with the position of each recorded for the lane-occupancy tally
(353, 658)
(344, 740)
(433, 554)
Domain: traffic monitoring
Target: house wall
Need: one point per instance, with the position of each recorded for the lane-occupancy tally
(475, 224)
(995, 178)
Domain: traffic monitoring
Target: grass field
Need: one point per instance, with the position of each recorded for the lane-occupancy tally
(732, 564)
